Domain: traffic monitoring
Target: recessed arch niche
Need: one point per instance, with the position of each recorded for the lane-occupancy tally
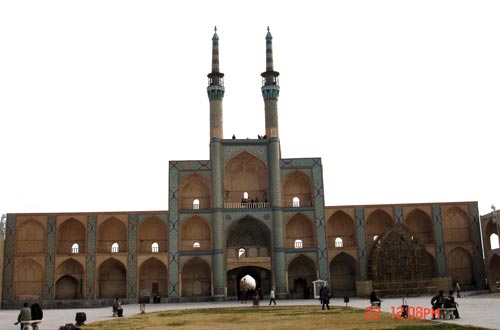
(193, 188)
(341, 225)
(297, 185)
(245, 173)
(70, 232)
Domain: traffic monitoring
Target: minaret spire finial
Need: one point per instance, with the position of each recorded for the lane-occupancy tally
(215, 77)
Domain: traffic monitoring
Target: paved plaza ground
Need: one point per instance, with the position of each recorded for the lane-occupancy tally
(481, 310)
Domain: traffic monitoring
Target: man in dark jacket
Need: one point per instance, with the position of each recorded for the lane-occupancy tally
(325, 297)
(437, 303)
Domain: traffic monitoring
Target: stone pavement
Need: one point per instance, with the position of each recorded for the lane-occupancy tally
(478, 310)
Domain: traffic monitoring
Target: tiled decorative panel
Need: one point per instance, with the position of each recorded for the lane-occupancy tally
(8, 262)
(229, 151)
(362, 251)
(173, 226)
(398, 213)
(50, 258)
(132, 257)
(90, 259)
(231, 217)
(477, 257)
(439, 239)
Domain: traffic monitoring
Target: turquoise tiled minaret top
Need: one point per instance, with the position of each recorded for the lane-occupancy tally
(215, 87)
(270, 86)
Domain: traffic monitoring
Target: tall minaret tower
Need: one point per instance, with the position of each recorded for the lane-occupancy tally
(215, 91)
(270, 92)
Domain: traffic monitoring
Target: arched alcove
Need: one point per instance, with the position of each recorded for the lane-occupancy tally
(302, 271)
(28, 280)
(420, 223)
(153, 275)
(111, 280)
(297, 190)
(70, 277)
(31, 238)
(459, 264)
(153, 230)
(195, 230)
(194, 188)
(377, 223)
(341, 225)
(251, 234)
(343, 274)
(245, 173)
(456, 226)
(109, 232)
(196, 278)
(299, 227)
(68, 233)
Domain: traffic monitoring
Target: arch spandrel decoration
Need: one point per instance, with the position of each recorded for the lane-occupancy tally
(256, 150)
(232, 217)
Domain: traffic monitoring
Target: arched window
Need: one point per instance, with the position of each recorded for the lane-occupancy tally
(494, 241)
(196, 204)
(115, 248)
(375, 238)
(298, 244)
(338, 242)
(155, 248)
(242, 253)
(245, 195)
(296, 202)
(196, 245)
(75, 248)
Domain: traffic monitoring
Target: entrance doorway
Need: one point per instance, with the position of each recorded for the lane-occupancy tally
(245, 282)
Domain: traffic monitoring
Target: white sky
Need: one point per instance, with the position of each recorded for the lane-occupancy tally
(400, 99)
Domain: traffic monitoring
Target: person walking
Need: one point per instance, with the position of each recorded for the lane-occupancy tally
(325, 298)
(457, 288)
(24, 315)
(272, 297)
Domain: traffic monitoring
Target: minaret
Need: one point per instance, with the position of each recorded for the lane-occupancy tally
(270, 90)
(215, 91)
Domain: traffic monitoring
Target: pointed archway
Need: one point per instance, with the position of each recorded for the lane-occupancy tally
(70, 277)
(153, 277)
(343, 272)
(235, 283)
(301, 272)
(112, 279)
(196, 278)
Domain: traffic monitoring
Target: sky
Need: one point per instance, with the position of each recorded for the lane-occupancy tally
(400, 99)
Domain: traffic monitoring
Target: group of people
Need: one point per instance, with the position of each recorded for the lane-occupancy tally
(442, 301)
(27, 313)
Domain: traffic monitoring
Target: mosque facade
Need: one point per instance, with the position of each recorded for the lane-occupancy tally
(244, 212)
